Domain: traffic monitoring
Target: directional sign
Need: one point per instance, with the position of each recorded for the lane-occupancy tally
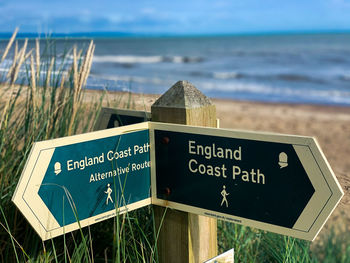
(111, 118)
(278, 183)
(79, 180)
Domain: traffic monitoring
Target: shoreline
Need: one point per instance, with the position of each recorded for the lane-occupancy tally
(331, 107)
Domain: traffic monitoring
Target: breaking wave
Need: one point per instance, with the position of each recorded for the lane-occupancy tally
(129, 59)
(288, 77)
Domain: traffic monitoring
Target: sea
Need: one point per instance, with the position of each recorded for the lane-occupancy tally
(283, 68)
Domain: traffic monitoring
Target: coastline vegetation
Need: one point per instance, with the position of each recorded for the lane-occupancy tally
(41, 98)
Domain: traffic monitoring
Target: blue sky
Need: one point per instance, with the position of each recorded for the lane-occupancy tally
(174, 17)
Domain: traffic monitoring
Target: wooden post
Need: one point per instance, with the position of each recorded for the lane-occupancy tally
(185, 237)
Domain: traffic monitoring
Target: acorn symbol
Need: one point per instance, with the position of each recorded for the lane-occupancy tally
(57, 168)
(283, 160)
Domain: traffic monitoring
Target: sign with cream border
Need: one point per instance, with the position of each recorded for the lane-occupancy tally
(279, 183)
(76, 181)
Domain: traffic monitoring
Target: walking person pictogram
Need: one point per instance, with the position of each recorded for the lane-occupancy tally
(224, 194)
(108, 192)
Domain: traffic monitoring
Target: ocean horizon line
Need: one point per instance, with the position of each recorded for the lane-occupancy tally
(116, 35)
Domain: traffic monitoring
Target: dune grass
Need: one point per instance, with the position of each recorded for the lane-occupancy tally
(41, 98)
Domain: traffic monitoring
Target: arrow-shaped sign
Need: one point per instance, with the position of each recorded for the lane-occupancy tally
(76, 181)
(274, 182)
(279, 183)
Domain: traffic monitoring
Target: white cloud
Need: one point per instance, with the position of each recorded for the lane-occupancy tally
(182, 16)
(148, 11)
(114, 18)
(341, 3)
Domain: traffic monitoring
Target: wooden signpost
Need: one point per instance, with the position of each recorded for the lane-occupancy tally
(196, 236)
(195, 175)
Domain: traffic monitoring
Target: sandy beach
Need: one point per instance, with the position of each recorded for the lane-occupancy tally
(330, 125)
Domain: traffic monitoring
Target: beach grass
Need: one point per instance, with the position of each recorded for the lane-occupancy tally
(42, 98)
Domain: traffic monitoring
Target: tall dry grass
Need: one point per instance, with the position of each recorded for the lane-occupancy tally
(40, 98)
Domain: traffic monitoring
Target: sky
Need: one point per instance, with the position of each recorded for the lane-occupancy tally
(174, 17)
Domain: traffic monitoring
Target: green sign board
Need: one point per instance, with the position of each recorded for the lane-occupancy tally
(279, 183)
(88, 177)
